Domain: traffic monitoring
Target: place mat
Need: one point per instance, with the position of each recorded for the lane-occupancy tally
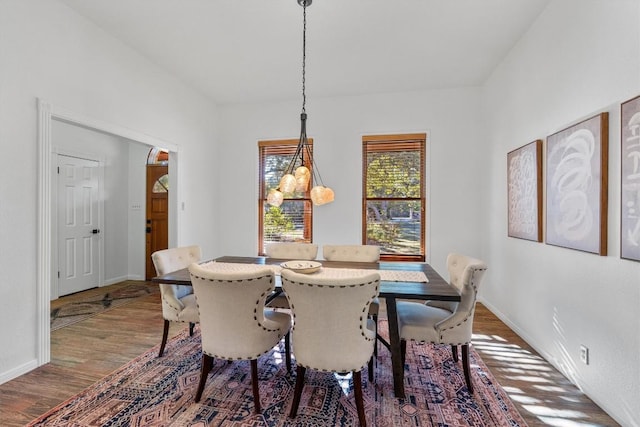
(402, 276)
(385, 275)
(238, 267)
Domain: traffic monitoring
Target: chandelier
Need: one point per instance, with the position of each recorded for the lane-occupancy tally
(297, 175)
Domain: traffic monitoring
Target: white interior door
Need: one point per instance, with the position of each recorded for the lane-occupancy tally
(78, 224)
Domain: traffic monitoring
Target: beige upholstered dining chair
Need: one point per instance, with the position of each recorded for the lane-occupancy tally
(351, 253)
(234, 322)
(356, 253)
(446, 322)
(178, 302)
(332, 331)
(289, 251)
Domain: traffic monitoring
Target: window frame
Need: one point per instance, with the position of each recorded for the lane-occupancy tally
(284, 147)
(395, 142)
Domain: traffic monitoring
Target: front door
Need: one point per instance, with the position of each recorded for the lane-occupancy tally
(78, 224)
(157, 213)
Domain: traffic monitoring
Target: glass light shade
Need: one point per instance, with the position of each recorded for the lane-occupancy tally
(321, 195)
(287, 183)
(303, 176)
(275, 197)
(328, 195)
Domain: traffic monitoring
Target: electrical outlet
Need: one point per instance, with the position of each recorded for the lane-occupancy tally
(584, 354)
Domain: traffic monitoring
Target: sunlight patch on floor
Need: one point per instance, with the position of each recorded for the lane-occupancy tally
(515, 357)
(519, 364)
(555, 413)
(489, 338)
(523, 369)
(524, 399)
(529, 378)
(551, 388)
(527, 366)
(563, 422)
(278, 357)
(344, 380)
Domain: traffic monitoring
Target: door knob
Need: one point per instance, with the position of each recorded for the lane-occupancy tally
(95, 231)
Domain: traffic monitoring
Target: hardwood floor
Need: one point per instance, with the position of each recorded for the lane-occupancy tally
(542, 394)
(84, 352)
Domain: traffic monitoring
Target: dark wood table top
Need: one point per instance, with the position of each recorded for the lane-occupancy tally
(436, 289)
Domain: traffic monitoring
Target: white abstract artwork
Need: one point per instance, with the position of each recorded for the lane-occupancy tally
(524, 192)
(577, 186)
(630, 197)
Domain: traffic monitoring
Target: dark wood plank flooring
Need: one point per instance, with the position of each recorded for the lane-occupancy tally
(85, 352)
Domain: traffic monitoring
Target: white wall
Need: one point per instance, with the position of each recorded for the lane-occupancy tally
(450, 118)
(47, 51)
(579, 58)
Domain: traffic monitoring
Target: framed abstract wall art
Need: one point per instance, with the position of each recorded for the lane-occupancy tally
(630, 180)
(576, 180)
(524, 192)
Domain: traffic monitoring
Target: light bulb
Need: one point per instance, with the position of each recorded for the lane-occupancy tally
(275, 197)
(302, 178)
(287, 183)
(321, 195)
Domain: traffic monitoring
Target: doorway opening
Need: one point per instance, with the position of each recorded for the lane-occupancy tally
(157, 206)
(45, 229)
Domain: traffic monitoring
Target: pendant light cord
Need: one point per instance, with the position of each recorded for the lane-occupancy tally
(319, 194)
(304, 54)
(303, 134)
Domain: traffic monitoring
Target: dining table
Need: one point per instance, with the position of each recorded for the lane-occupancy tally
(399, 281)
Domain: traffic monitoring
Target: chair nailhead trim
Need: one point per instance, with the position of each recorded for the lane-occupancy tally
(475, 291)
(237, 358)
(337, 371)
(169, 305)
(257, 303)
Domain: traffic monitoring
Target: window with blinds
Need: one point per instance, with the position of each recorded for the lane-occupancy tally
(291, 221)
(393, 188)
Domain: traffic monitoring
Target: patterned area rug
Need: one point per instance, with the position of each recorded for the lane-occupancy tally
(77, 311)
(152, 391)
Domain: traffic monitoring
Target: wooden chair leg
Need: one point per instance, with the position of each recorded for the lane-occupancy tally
(375, 344)
(165, 334)
(207, 364)
(465, 367)
(357, 390)
(371, 369)
(403, 350)
(287, 351)
(191, 326)
(297, 393)
(256, 390)
(454, 351)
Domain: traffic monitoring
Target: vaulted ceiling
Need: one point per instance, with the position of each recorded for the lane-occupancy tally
(238, 51)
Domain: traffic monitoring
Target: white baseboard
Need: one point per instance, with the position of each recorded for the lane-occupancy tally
(115, 280)
(16, 372)
(549, 358)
